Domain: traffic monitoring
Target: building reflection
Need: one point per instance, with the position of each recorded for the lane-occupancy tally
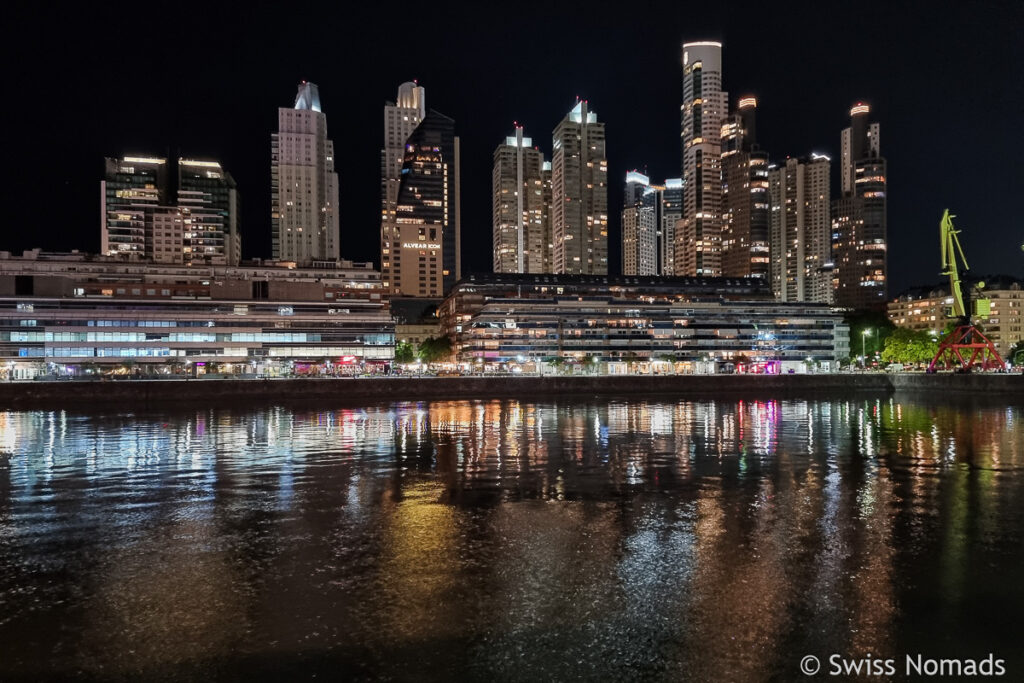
(726, 535)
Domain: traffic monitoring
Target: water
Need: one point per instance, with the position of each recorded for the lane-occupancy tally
(509, 540)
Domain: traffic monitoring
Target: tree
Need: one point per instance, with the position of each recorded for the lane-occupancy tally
(909, 346)
(433, 349)
(404, 352)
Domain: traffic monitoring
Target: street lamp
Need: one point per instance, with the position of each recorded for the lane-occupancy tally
(863, 341)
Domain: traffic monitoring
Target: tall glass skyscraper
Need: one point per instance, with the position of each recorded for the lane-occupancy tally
(425, 246)
(401, 118)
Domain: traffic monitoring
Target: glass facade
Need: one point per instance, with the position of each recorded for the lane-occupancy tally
(78, 331)
(609, 330)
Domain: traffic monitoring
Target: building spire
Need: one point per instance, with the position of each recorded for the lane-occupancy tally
(308, 96)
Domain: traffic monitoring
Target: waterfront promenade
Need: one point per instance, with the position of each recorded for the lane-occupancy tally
(156, 392)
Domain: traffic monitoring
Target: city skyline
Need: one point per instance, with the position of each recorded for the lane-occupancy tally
(641, 128)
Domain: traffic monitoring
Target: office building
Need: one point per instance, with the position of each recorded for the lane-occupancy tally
(698, 235)
(579, 179)
(746, 241)
(401, 118)
(304, 186)
(165, 211)
(624, 322)
(521, 229)
(421, 247)
(470, 294)
(859, 221)
(639, 226)
(72, 313)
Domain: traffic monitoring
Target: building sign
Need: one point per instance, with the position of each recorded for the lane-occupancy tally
(420, 245)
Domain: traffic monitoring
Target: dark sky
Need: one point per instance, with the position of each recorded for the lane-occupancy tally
(944, 80)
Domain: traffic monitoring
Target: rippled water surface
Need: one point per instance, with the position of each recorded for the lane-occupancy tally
(509, 540)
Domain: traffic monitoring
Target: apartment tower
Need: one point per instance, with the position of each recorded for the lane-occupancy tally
(639, 226)
(800, 235)
(521, 228)
(303, 184)
(579, 180)
(859, 221)
(698, 235)
(166, 211)
(745, 205)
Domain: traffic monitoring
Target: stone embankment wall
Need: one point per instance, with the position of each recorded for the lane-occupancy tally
(365, 389)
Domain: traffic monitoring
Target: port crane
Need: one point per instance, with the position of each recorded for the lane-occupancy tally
(965, 348)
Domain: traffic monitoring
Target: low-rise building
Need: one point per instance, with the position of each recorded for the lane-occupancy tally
(73, 313)
(999, 310)
(472, 292)
(696, 336)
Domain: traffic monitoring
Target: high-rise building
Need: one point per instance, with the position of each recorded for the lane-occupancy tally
(211, 223)
(671, 202)
(520, 227)
(424, 237)
(548, 245)
(745, 206)
(401, 118)
(698, 235)
(579, 180)
(304, 186)
(131, 189)
(800, 235)
(187, 214)
(859, 222)
(420, 197)
(639, 226)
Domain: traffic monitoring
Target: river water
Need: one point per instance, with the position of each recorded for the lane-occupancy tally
(510, 540)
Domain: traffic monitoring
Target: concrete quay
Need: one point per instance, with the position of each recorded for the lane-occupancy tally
(61, 394)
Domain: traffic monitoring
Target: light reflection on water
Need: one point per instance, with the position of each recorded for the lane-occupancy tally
(518, 540)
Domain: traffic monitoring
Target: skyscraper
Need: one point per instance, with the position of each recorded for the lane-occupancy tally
(859, 222)
(424, 239)
(698, 235)
(400, 119)
(579, 180)
(800, 236)
(521, 229)
(745, 210)
(303, 186)
(639, 226)
(671, 200)
(183, 212)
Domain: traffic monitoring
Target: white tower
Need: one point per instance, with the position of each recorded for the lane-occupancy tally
(304, 186)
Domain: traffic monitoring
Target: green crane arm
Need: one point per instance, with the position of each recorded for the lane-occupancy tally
(950, 248)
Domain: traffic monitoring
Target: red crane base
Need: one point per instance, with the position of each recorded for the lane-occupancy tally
(966, 349)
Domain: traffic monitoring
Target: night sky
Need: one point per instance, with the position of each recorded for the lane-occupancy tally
(944, 80)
